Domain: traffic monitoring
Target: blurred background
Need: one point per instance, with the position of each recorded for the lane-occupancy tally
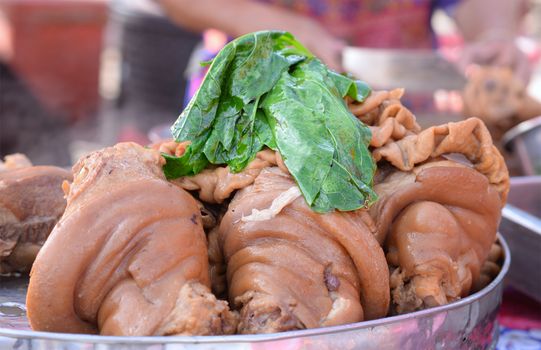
(76, 75)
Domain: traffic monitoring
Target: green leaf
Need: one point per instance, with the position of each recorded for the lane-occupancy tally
(220, 118)
(188, 164)
(264, 131)
(267, 90)
(356, 89)
(324, 147)
(205, 63)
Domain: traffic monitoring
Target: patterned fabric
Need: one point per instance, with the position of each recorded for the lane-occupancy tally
(516, 339)
(367, 23)
(520, 322)
(373, 23)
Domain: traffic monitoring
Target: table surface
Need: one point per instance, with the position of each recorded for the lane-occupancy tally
(520, 322)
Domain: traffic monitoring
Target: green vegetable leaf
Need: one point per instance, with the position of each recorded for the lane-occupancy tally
(356, 89)
(220, 118)
(332, 164)
(266, 90)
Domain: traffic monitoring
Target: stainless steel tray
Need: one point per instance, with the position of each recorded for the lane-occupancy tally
(521, 227)
(469, 323)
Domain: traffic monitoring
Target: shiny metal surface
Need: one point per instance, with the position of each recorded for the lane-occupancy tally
(521, 227)
(469, 323)
(425, 75)
(414, 70)
(524, 140)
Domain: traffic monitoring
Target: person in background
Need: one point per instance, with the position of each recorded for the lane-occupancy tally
(143, 67)
(489, 27)
(26, 125)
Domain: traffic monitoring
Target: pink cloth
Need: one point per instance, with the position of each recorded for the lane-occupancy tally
(371, 23)
(520, 322)
(519, 311)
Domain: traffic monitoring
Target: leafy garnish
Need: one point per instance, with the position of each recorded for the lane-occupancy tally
(323, 145)
(266, 89)
(220, 119)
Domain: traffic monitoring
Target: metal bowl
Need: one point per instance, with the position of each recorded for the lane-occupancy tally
(524, 140)
(521, 227)
(469, 323)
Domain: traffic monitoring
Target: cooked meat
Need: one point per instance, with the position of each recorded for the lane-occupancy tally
(490, 268)
(387, 117)
(439, 221)
(499, 98)
(136, 254)
(438, 218)
(218, 278)
(215, 185)
(435, 218)
(31, 202)
(299, 269)
(128, 257)
(470, 138)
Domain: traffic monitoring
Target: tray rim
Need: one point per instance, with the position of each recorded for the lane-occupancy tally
(257, 338)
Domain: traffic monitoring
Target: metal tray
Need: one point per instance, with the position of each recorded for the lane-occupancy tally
(469, 323)
(524, 140)
(521, 227)
(414, 70)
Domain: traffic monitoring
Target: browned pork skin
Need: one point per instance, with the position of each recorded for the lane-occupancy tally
(31, 202)
(470, 138)
(128, 257)
(300, 269)
(387, 118)
(438, 219)
(217, 184)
